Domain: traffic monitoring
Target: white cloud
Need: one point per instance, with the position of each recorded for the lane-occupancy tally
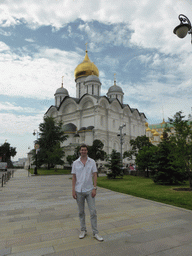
(40, 76)
(109, 61)
(151, 22)
(155, 98)
(30, 40)
(7, 106)
(4, 33)
(118, 34)
(4, 47)
(19, 124)
(18, 131)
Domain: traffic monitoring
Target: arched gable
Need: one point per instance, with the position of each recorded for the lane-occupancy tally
(52, 112)
(87, 101)
(136, 114)
(143, 117)
(116, 106)
(127, 111)
(68, 106)
(104, 102)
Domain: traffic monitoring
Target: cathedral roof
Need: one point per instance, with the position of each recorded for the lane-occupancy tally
(115, 88)
(62, 90)
(86, 68)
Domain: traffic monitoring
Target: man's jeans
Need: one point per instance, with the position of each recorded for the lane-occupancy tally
(91, 204)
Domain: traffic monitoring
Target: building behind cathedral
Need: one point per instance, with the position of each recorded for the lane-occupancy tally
(90, 115)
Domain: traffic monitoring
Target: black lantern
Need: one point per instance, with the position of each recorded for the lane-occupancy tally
(184, 28)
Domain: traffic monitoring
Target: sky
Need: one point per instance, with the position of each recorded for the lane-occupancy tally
(41, 41)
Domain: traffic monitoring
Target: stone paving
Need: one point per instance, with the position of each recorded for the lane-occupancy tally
(38, 216)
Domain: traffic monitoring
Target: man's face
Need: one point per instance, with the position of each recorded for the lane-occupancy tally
(83, 151)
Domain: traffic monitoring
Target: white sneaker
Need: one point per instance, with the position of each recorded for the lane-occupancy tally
(82, 234)
(98, 237)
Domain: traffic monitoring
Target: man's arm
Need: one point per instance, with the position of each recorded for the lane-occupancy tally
(94, 184)
(73, 186)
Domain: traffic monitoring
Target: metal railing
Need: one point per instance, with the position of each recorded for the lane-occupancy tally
(6, 176)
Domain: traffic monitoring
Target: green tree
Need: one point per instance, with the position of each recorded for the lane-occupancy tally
(71, 158)
(136, 145)
(51, 136)
(164, 165)
(144, 158)
(182, 139)
(114, 165)
(141, 151)
(6, 152)
(96, 150)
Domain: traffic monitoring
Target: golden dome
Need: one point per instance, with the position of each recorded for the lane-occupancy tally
(153, 130)
(146, 124)
(86, 68)
(161, 137)
(148, 130)
(155, 133)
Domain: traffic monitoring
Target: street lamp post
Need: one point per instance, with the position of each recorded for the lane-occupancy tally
(184, 27)
(121, 140)
(36, 148)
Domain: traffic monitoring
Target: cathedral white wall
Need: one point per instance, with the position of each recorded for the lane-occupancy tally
(87, 121)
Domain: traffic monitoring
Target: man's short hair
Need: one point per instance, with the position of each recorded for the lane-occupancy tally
(83, 146)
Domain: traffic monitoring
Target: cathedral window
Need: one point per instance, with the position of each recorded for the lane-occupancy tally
(92, 89)
(98, 90)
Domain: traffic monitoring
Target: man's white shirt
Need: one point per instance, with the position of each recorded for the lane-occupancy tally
(84, 174)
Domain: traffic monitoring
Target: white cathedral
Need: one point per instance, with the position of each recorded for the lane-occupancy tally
(91, 116)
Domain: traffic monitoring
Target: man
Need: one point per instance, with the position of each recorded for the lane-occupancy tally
(84, 174)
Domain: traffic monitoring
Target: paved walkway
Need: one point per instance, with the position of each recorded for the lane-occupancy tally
(38, 216)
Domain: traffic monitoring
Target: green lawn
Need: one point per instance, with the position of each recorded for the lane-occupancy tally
(146, 188)
(50, 172)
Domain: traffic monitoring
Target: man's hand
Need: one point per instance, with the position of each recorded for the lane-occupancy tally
(93, 193)
(74, 195)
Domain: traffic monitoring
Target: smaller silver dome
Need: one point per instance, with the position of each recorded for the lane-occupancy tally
(62, 90)
(92, 78)
(115, 88)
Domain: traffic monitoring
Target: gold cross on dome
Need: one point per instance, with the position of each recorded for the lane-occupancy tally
(86, 46)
